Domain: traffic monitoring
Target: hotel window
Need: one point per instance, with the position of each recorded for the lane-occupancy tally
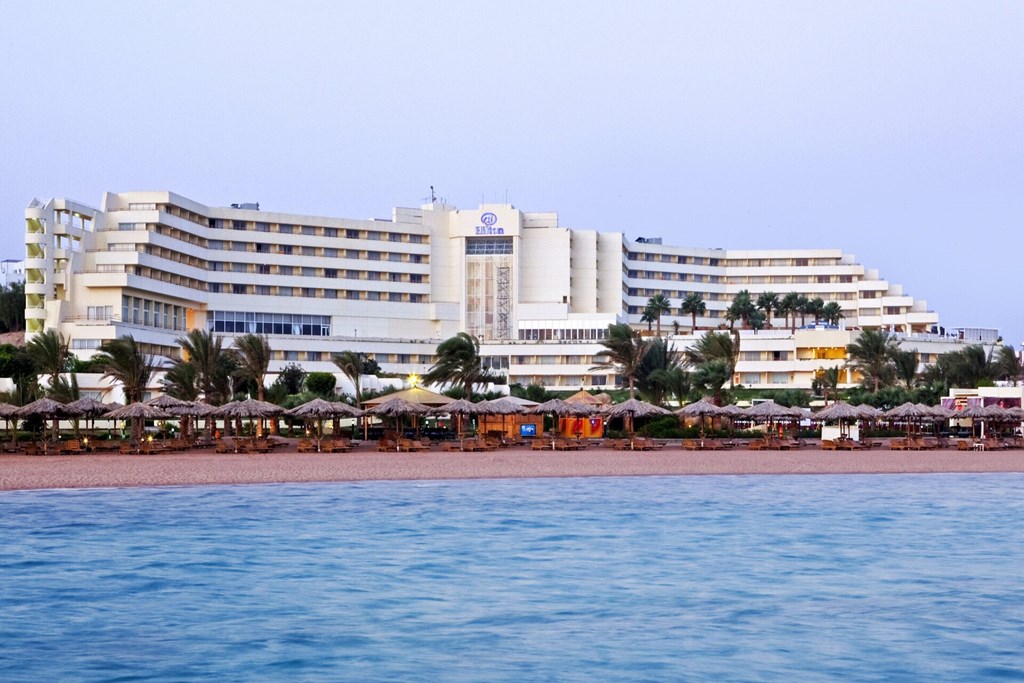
(395, 257)
(308, 230)
(285, 228)
(394, 296)
(415, 278)
(285, 270)
(263, 269)
(373, 235)
(237, 289)
(284, 249)
(395, 277)
(263, 290)
(239, 267)
(309, 292)
(415, 258)
(394, 237)
(352, 234)
(308, 272)
(352, 295)
(262, 227)
(330, 294)
(330, 252)
(330, 232)
(331, 272)
(238, 225)
(373, 296)
(262, 248)
(483, 246)
(373, 255)
(308, 251)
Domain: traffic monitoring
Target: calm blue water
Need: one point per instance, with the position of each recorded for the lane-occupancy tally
(864, 578)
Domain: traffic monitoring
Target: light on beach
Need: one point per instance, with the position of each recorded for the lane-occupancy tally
(413, 380)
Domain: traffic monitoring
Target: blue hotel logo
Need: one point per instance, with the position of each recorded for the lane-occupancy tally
(488, 228)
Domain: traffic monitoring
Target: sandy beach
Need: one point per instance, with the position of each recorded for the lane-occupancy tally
(205, 467)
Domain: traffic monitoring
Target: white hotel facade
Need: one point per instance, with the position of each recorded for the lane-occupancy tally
(539, 296)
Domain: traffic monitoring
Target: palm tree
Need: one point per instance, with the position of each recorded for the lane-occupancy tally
(829, 378)
(458, 362)
(180, 381)
(768, 302)
(905, 365)
(648, 317)
(624, 352)
(252, 354)
(660, 357)
(741, 307)
(123, 360)
(351, 365)
(49, 353)
(1008, 365)
(789, 307)
(801, 308)
(756, 321)
(872, 355)
(693, 305)
(659, 305)
(815, 307)
(213, 366)
(969, 367)
(715, 346)
(711, 377)
(832, 313)
(673, 381)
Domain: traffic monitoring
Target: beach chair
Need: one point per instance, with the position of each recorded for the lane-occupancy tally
(127, 448)
(222, 446)
(828, 445)
(539, 445)
(898, 445)
(71, 447)
(306, 446)
(690, 445)
(962, 445)
(714, 445)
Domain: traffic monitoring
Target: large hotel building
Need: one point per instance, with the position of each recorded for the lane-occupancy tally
(538, 296)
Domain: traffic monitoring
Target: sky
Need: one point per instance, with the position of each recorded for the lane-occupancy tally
(891, 130)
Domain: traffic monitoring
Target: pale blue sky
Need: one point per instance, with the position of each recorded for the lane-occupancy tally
(892, 130)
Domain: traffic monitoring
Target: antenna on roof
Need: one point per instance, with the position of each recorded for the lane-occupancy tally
(433, 197)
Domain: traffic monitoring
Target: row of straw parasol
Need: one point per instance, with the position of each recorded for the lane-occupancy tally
(318, 410)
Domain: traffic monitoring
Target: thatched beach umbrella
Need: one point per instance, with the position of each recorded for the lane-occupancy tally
(90, 409)
(701, 409)
(319, 410)
(910, 413)
(7, 412)
(136, 413)
(634, 408)
(250, 408)
(560, 408)
(459, 408)
(841, 412)
(398, 408)
(46, 408)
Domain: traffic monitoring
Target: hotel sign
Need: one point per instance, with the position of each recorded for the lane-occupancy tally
(489, 226)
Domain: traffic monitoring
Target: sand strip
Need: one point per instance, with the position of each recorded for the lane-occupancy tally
(204, 467)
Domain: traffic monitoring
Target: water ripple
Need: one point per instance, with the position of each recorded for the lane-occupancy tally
(860, 578)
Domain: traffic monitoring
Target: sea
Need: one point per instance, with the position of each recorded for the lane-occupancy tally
(704, 578)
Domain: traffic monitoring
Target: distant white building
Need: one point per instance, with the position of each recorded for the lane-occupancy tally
(11, 271)
(539, 296)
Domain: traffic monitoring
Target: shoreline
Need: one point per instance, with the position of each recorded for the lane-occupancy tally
(204, 468)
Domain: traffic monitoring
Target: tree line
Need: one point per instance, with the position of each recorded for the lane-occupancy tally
(751, 313)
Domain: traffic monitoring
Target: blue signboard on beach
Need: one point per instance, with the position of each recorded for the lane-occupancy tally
(528, 429)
